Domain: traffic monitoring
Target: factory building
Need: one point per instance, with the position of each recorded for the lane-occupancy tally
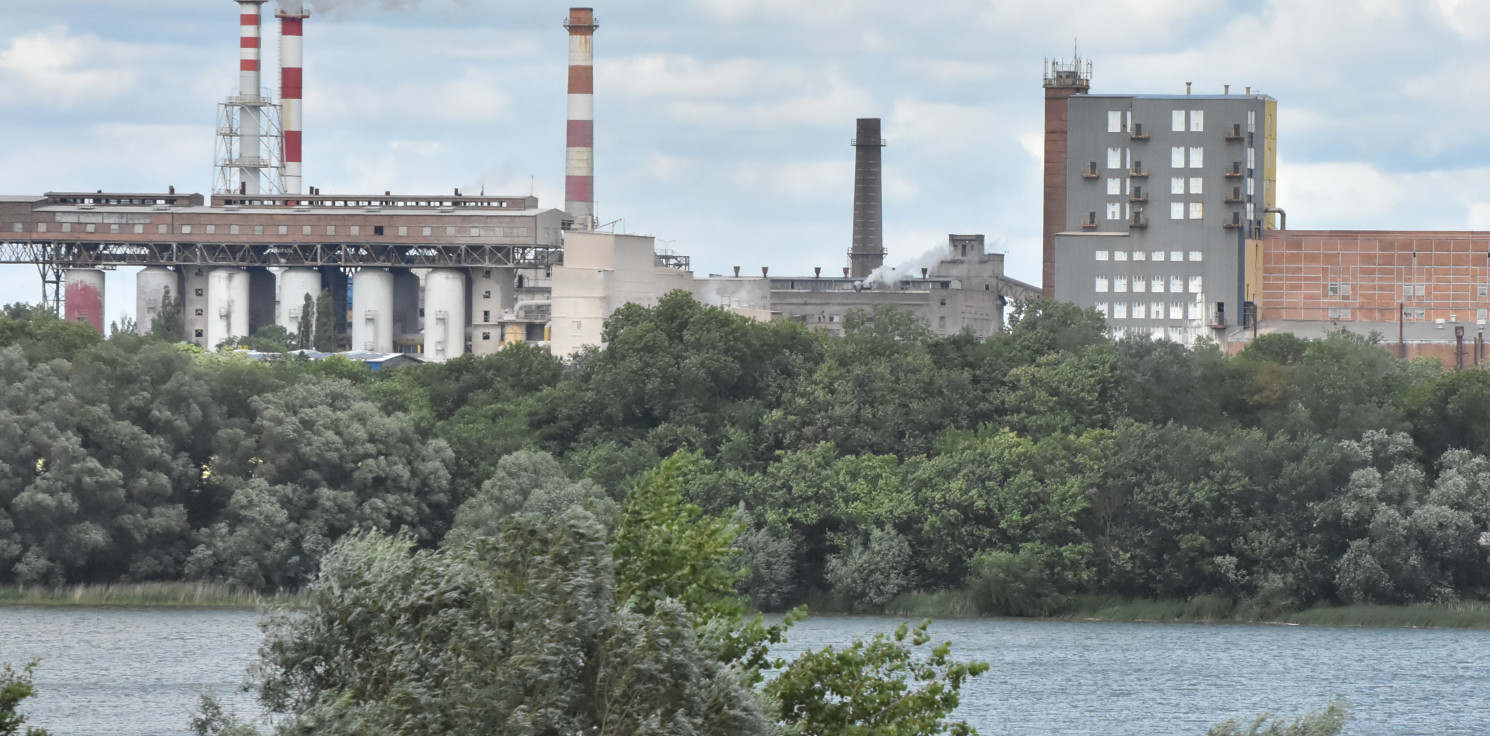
(964, 291)
(1156, 205)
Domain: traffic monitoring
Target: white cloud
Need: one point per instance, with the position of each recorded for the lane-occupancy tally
(60, 68)
(672, 76)
(830, 106)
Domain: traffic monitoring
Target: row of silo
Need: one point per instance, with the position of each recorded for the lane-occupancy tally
(222, 302)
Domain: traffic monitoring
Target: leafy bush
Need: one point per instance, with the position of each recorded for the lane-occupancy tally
(1013, 584)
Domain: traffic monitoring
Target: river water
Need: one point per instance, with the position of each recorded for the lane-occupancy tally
(133, 672)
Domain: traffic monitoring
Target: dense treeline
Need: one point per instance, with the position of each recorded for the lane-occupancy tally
(1046, 462)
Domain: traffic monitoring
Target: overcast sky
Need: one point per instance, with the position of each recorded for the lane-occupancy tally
(723, 126)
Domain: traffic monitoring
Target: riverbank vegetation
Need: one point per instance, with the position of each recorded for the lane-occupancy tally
(1011, 477)
(150, 594)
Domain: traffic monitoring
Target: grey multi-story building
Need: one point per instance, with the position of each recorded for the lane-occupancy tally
(1155, 204)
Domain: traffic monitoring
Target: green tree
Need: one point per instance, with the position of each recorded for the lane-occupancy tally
(874, 688)
(14, 688)
(324, 336)
(1328, 722)
(170, 323)
(305, 329)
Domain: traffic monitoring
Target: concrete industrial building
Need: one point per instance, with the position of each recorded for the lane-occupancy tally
(1156, 205)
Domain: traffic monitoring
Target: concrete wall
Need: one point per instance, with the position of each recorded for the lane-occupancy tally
(601, 272)
(1142, 186)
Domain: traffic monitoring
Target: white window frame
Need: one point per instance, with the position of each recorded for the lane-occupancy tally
(1101, 255)
(1197, 121)
(1100, 285)
(1176, 157)
(1140, 284)
(1120, 284)
(1114, 210)
(1114, 186)
(1114, 158)
(1176, 284)
(1176, 185)
(1176, 210)
(1177, 121)
(1114, 121)
(1197, 284)
(1197, 210)
(1197, 157)
(1156, 284)
(1119, 310)
(1157, 255)
(1197, 255)
(1102, 308)
(1120, 255)
(1196, 185)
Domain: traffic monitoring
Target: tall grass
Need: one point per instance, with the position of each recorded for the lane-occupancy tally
(165, 595)
(1208, 609)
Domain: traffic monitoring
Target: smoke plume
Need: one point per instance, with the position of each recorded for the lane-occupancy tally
(344, 8)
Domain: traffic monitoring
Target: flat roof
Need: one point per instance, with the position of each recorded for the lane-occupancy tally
(1177, 97)
(315, 211)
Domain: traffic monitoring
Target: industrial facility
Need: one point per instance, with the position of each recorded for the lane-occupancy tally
(436, 275)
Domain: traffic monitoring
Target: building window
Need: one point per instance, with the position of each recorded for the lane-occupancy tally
(498, 232)
(1192, 310)
(1120, 284)
(1197, 121)
(403, 231)
(1139, 255)
(486, 315)
(1195, 285)
(330, 229)
(1140, 310)
(377, 229)
(1251, 121)
(1177, 157)
(305, 229)
(356, 229)
(1114, 211)
(450, 230)
(198, 291)
(114, 228)
(1339, 312)
(1157, 255)
(1414, 289)
(1101, 255)
(1197, 210)
(1196, 255)
(1119, 310)
(486, 335)
(1114, 186)
(475, 232)
(1101, 308)
(140, 229)
(1114, 158)
(1176, 284)
(1140, 284)
(1413, 314)
(41, 227)
(1175, 255)
(185, 230)
(284, 229)
(1120, 255)
(258, 229)
(522, 232)
(1479, 315)
(1177, 121)
(1176, 310)
(1251, 157)
(1156, 284)
(66, 227)
(1482, 289)
(1176, 185)
(1114, 121)
(1197, 157)
(1337, 288)
(1101, 285)
(1251, 186)
(1176, 210)
(428, 231)
(1195, 185)
(232, 229)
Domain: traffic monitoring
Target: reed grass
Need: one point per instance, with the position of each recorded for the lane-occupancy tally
(161, 595)
(1210, 609)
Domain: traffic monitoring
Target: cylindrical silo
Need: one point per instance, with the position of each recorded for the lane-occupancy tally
(294, 285)
(372, 310)
(227, 305)
(154, 285)
(444, 314)
(84, 296)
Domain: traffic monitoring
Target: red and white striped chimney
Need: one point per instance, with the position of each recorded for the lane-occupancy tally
(291, 61)
(579, 152)
(250, 148)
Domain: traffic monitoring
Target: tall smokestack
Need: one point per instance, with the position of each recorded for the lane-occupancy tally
(579, 151)
(250, 143)
(1062, 81)
(291, 74)
(868, 250)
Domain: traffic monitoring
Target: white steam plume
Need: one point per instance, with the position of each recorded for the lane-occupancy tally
(344, 8)
(887, 275)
